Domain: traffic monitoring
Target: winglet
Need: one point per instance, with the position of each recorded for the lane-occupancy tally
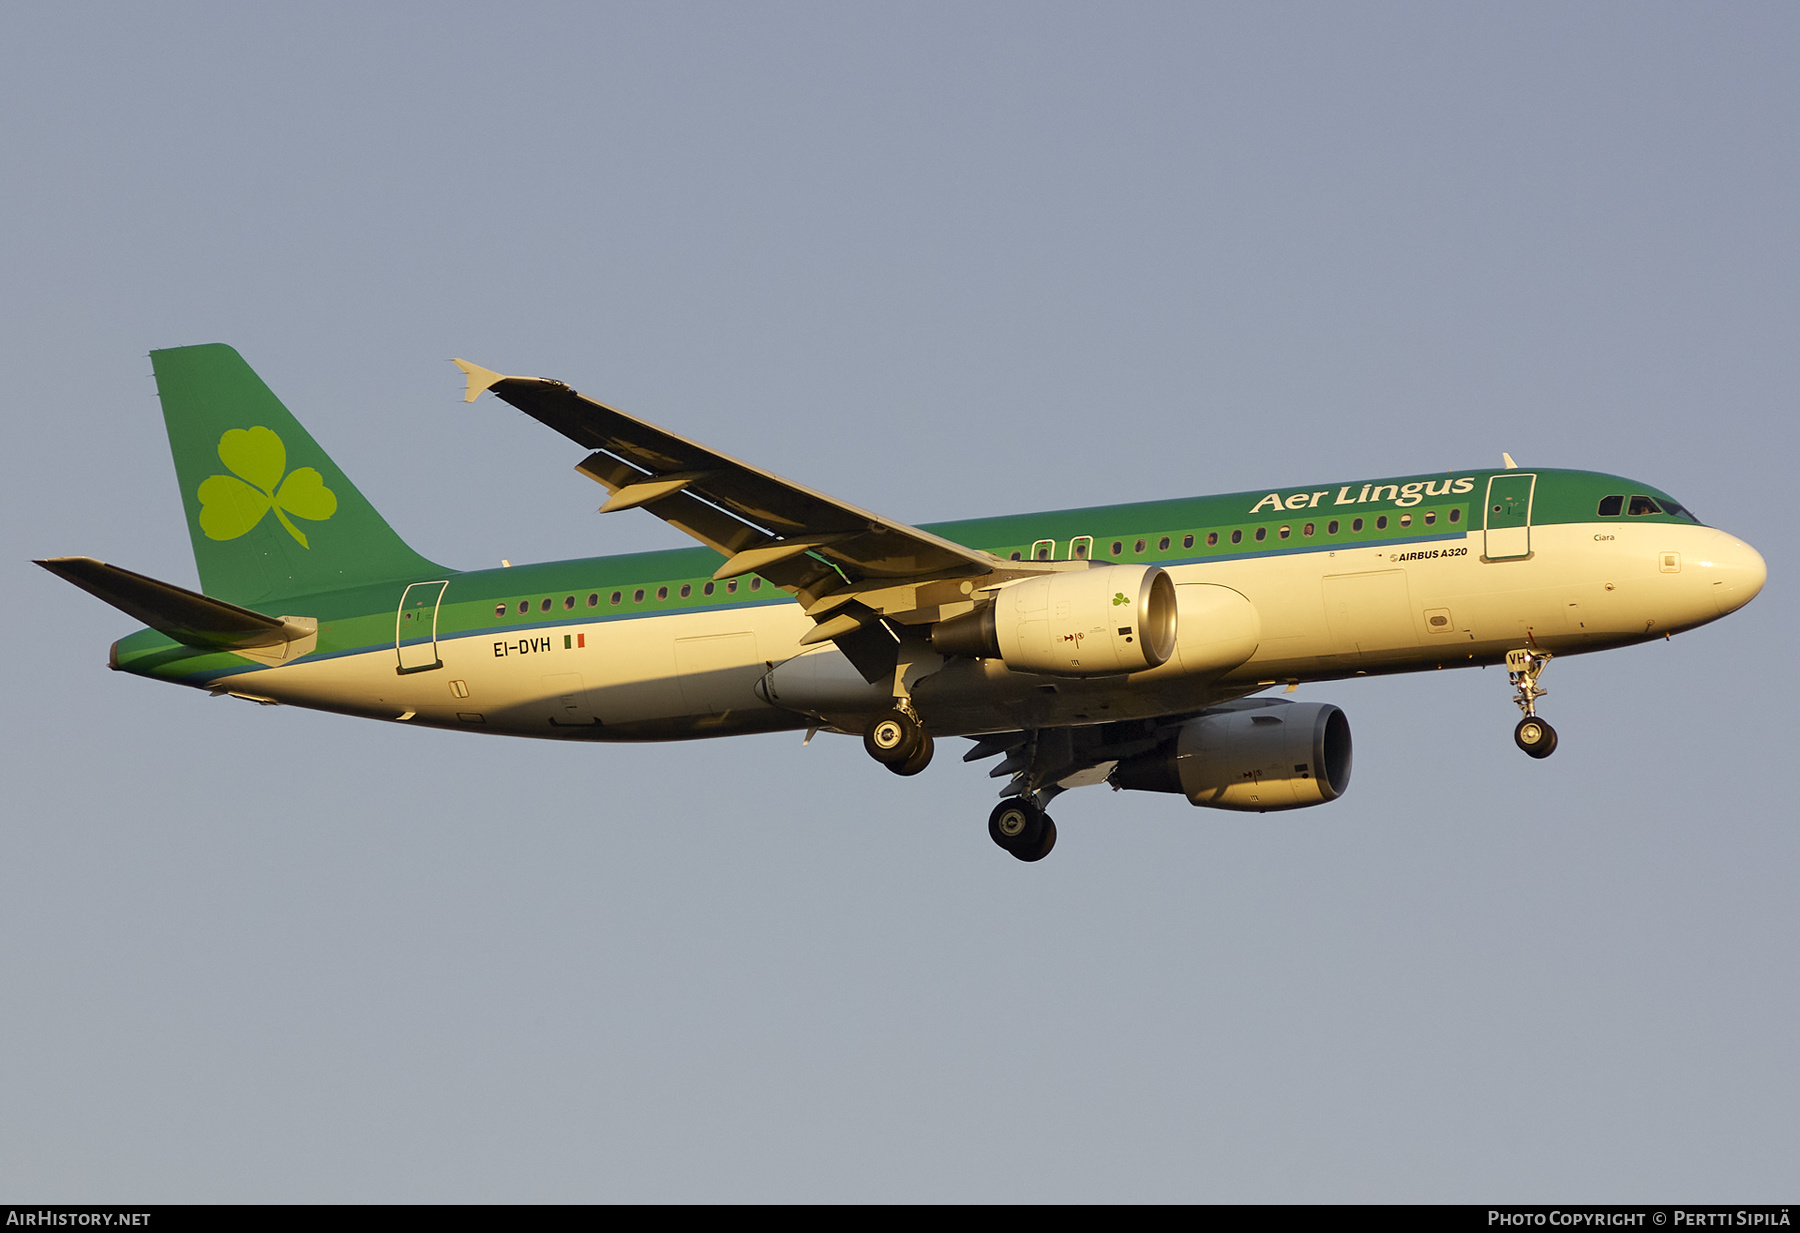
(479, 378)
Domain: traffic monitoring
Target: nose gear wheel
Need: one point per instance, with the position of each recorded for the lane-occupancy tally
(1535, 737)
(1523, 668)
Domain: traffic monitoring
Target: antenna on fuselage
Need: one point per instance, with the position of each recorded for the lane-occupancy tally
(1507, 459)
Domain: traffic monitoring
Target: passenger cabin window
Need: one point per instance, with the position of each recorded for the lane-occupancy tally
(1285, 532)
(1162, 545)
(1187, 541)
(1237, 537)
(1381, 523)
(1262, 533)
(1308, 530)
(686, 590)
(662, 592)
(1430, 516)
(545, 607)
(1331, 528)
(1081, 548)
(1117, 547)
(1641, 505)
(594, 600)
(1212, 539)
(617, 596)
(500, 610)
(1043, 550)
(637, 596)
(707, 589)
(1613, 506)
(756, 584)
(568, 602)
(524, 606)
(1456, 514)
(1138, 547)
(1015, 556)
(1356, 524)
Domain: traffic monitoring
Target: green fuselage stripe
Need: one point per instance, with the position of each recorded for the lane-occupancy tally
(362, 619)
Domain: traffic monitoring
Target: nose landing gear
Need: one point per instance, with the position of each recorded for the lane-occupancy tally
(1523, 668)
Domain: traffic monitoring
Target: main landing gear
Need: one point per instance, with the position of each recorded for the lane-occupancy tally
(898, 741)
(1523, 668)
(1022, 828)
(1019, 825)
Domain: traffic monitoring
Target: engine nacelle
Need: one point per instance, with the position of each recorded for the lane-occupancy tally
(1257, 754)
(1103, 621)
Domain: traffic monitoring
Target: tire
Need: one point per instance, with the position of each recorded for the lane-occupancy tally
(1016, 825)
(921, 758)
(1535, 737)
(1044, 844)
(892, 737)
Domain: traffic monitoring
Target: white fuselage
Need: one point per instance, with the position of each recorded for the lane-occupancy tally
(1311, 615)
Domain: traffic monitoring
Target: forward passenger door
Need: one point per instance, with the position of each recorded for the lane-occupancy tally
(1507, 528)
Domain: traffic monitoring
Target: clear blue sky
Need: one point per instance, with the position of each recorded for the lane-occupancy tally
(942, 261)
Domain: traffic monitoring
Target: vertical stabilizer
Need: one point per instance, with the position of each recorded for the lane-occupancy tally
(269, 513)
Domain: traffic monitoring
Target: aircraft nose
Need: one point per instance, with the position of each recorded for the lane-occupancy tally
(1737, 572)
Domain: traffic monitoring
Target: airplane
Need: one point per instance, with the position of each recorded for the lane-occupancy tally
(1121, 644)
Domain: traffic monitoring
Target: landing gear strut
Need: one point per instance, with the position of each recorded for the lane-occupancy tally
(898, 741)
(1022, 828)
(1523, 668)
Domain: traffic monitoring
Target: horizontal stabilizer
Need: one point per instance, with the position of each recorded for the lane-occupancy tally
(186, 616)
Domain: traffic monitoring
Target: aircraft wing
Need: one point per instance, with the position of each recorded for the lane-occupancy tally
(813, 545)
(754, 517)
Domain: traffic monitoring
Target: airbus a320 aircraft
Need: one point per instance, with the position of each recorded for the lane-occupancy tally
(1122, 644)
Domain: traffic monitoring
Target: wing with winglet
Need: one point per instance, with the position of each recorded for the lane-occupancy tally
(848, 566)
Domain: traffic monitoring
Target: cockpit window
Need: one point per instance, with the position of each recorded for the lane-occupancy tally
(1642, 505)
(1678, 510)
(1612, 507)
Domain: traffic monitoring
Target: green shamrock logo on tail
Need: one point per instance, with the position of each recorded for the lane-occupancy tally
(232, 505)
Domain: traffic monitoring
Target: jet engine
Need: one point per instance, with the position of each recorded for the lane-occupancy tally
(1103, 621)
(1256, 754)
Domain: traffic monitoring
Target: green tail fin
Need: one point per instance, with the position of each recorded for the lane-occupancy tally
(270, 515)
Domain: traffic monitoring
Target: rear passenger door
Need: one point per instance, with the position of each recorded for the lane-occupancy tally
(415, 627)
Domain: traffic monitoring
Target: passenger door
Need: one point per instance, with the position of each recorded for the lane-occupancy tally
(1507, 529)
(415, 627)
